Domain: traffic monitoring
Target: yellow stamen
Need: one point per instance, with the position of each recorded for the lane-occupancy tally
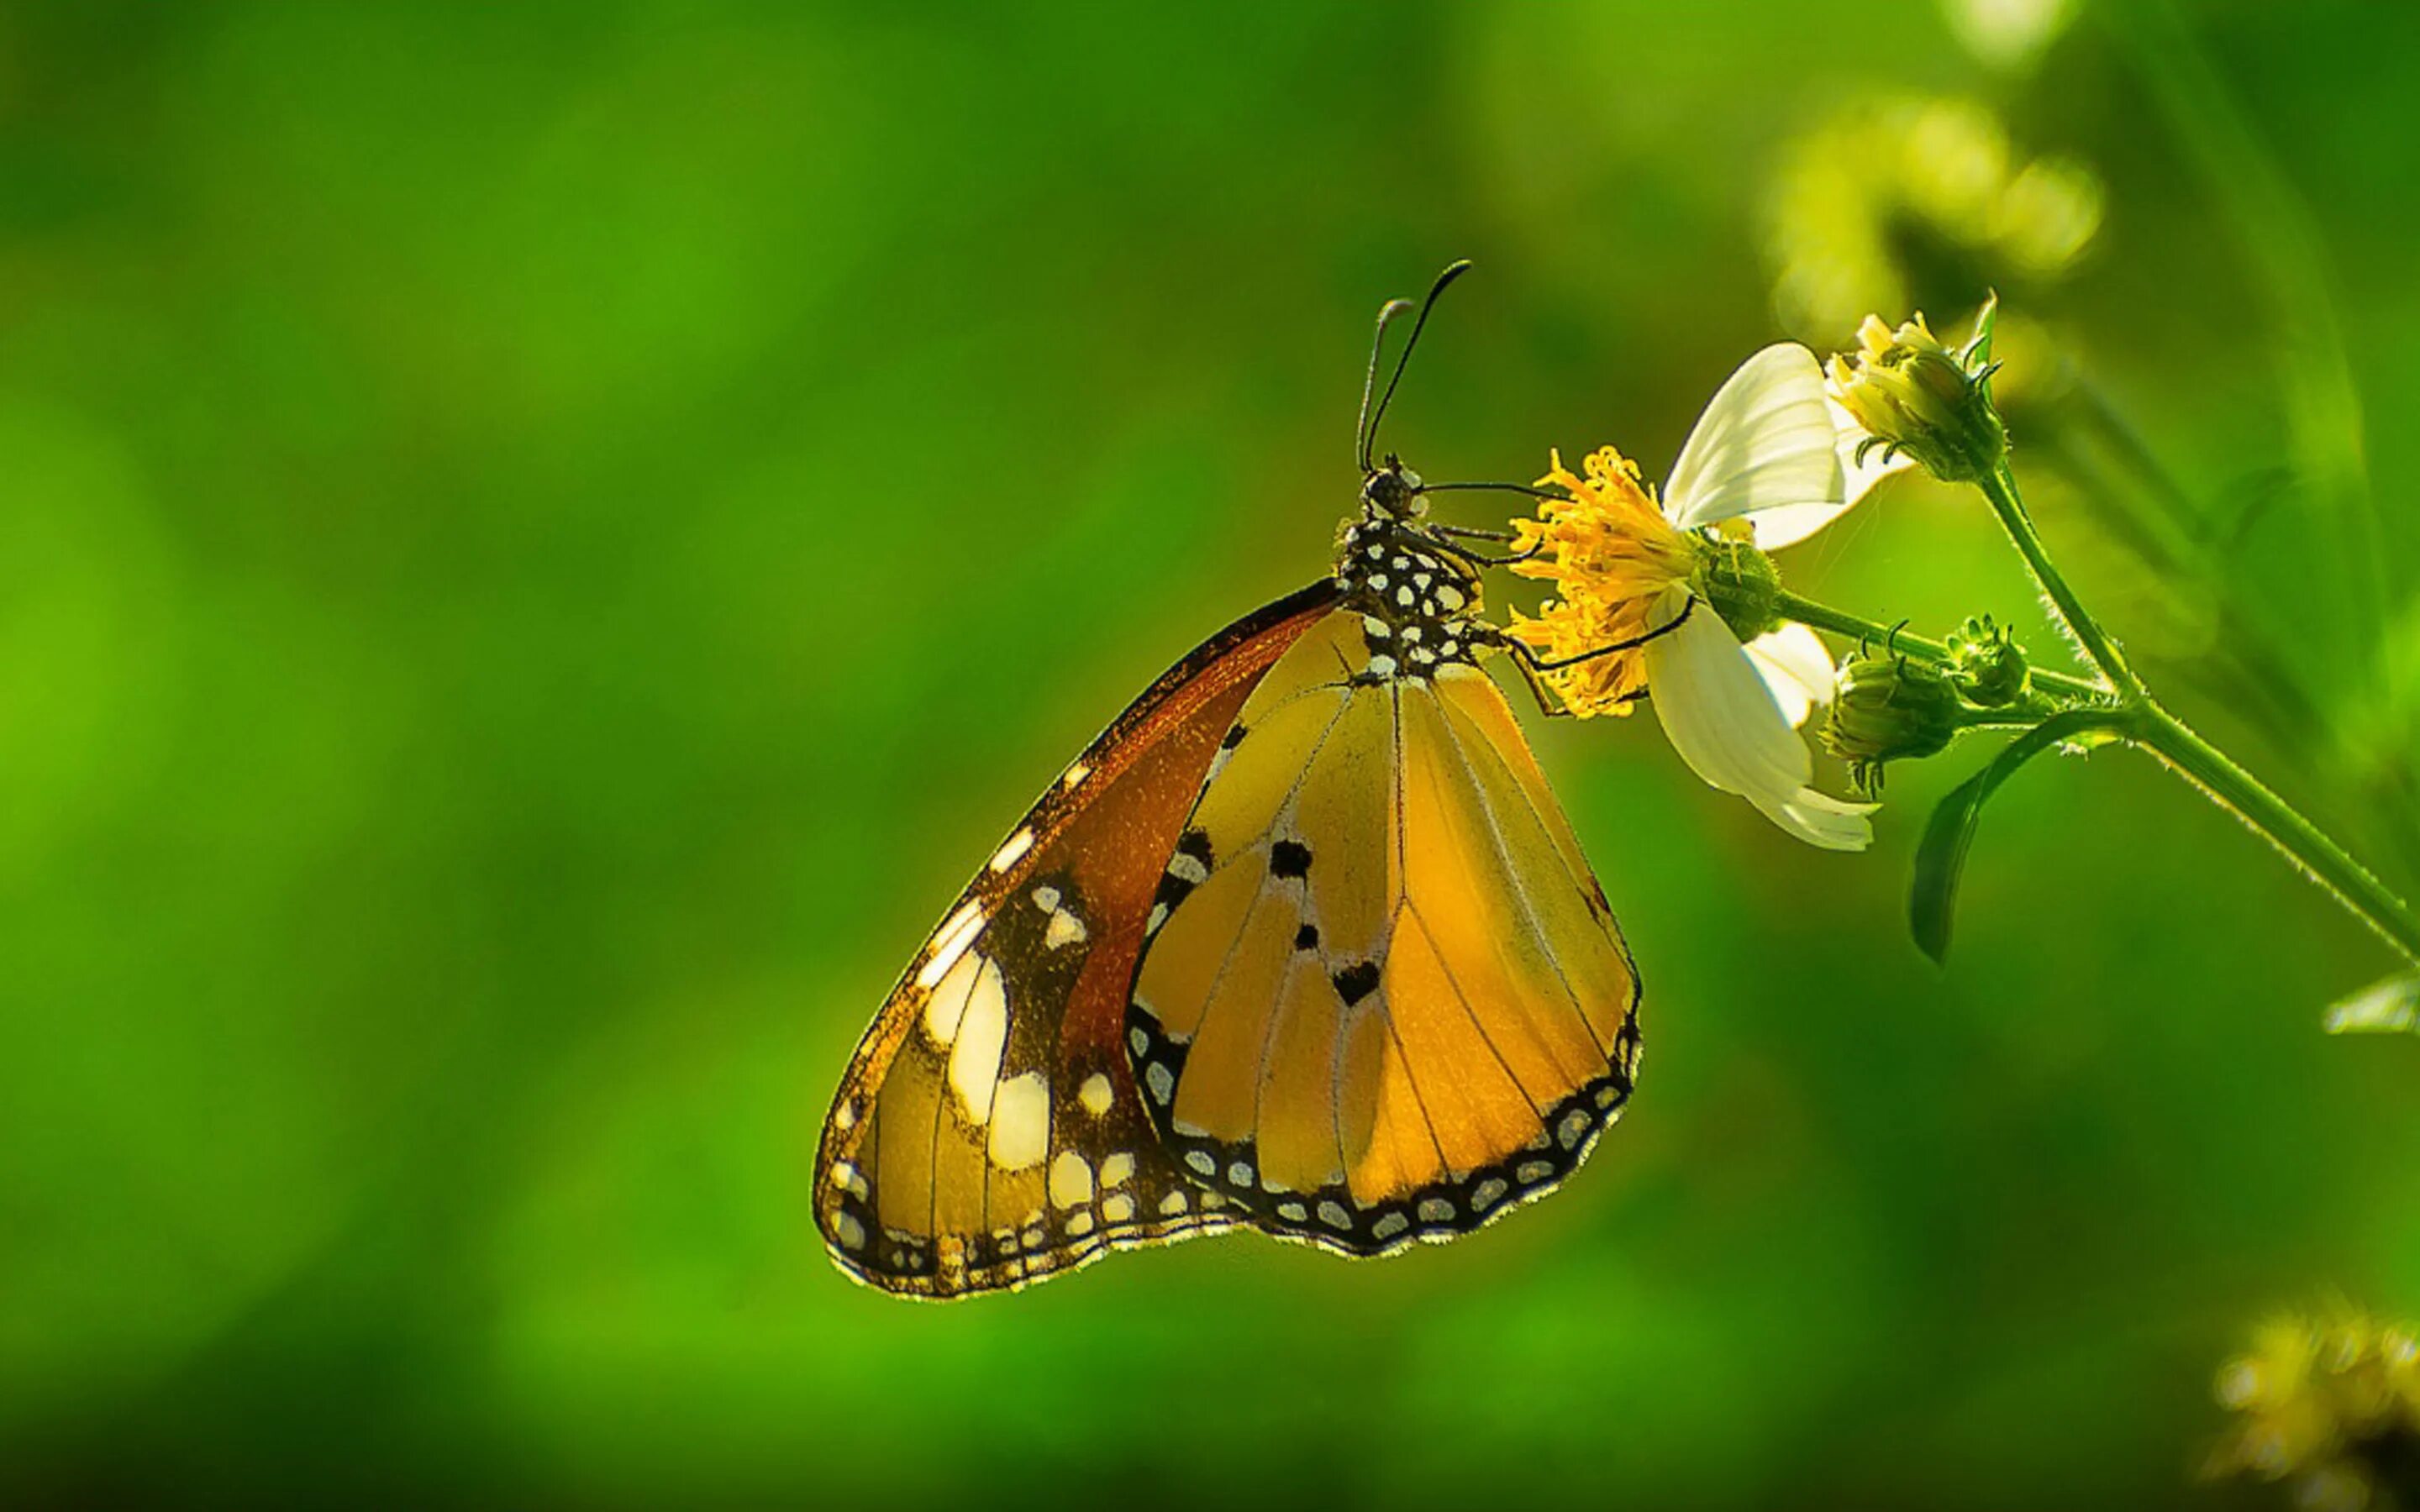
(1611, 554)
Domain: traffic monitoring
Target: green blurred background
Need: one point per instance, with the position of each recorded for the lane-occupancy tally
(539, 545)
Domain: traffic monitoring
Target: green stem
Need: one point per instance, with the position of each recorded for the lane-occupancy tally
(2302, 842)
(1915, 647)
(2191, 757)
(2000, 487)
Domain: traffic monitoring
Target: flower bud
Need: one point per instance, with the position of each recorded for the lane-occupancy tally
(1740, 583)
(1986, 667)
(1887, 709)
(1914, 395)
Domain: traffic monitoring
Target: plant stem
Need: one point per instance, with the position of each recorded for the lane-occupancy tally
(2302, 842)
(2195, 758)
(2000, 487)
(1915, 647)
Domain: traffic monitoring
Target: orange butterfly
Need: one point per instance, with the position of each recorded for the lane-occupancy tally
(1303, 943)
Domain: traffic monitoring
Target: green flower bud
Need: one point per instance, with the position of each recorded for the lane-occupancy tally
(1889, 709)
(1986, 667)
(1914, 395)
(1740, 583)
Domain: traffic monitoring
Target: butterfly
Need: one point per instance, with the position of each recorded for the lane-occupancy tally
(1303, 943)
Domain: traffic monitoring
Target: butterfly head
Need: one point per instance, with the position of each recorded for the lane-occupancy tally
(1393, 493)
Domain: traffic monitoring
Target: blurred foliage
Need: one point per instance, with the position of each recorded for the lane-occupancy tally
(539, 542)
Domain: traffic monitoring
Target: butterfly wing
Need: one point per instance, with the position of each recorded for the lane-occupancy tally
(1385, 999)
(987, 1132)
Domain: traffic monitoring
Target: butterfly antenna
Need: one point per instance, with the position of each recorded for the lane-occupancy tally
(1369, 427)
(1392, 310)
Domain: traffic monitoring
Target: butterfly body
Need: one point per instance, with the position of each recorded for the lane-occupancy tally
(1355, 1017)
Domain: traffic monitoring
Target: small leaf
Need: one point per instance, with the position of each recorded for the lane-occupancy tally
(1941, 855)
(1977, 351)
(2389, 1006)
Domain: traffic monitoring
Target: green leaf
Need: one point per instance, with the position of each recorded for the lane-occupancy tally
(1977, 351)
(2389, 1006)
(1941, 855)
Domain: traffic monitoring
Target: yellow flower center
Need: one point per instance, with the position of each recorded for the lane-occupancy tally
(1611, 554)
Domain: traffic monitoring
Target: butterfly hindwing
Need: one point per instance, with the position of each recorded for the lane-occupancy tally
(988, 1131)
(1386, 999)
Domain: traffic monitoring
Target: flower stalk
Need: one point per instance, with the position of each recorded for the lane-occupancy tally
(1919, 397)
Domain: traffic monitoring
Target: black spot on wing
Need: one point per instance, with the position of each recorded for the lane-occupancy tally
(1356, 981)
(1289, 858)
(1307, 938)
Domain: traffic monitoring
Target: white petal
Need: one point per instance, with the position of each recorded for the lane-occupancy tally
(1789, 524)
(1823, 821)
(1796, 668)
(1766, 441)
(1719, 713)
(1722, 716)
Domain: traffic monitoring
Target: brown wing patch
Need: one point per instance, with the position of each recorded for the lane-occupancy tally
(1391, 1005)
(988, 1131)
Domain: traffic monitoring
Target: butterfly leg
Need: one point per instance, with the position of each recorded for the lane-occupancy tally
(1481, 559)
(1532, 666)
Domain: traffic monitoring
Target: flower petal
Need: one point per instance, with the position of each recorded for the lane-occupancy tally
(1719, 713)
(1789, 524)
(1766, 441)
(1796, 668)
(1823, 821)
(1723, 718)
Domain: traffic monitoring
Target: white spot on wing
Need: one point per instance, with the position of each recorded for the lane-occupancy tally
(850, 1233)
(1071, 1180)
(1117, 1168)
(1020, 1122)
(1388, 1226)
(1161, 1082)
(1117, 1207)
(1094, 1094)
(1173, 1203)
(951, 943)
(1065, 930)
(1075, 775)
(947, 1007)
(974, 1060)
(1045, 897)
(1188, 867)
(1014, 851)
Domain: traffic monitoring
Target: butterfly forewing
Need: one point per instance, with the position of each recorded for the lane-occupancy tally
(988, 1131)
(1386, 999)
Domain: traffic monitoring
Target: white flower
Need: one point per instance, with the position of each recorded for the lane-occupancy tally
(1773, 460)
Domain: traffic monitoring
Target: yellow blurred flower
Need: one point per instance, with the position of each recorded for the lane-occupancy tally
(1879, 174)
(2331, 1403)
